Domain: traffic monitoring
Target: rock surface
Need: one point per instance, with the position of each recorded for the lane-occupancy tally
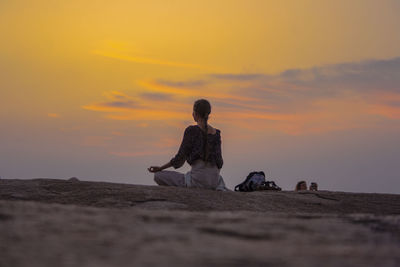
(106, 224)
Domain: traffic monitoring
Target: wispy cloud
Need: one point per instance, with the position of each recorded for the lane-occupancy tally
(145, 60)
(183, 84)
(156, 96)
(140, 107)
(237, 77)
(296, 101)
(182, 90)
(129, 52)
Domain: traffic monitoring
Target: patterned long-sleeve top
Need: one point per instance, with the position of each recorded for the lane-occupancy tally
(192, 147)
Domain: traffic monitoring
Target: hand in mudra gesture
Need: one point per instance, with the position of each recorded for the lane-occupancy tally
(154, 169)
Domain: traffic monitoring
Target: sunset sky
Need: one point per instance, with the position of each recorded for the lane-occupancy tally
(302, 89)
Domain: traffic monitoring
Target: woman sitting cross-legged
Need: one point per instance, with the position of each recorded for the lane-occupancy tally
(201, 148)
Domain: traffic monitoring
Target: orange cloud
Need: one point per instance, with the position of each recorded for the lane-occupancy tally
(259, 115)
(386, 111)
(385, 104)
(147, 114)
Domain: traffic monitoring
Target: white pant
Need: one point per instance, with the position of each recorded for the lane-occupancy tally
(202, 175)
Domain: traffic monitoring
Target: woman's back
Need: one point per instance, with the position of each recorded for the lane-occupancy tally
(192, 147)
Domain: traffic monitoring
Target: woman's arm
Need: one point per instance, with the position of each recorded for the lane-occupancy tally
(180, 157)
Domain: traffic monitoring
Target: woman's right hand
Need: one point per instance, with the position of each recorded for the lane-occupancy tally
(154, 169)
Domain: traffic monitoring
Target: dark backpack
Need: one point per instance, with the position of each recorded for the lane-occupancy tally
(256, 181)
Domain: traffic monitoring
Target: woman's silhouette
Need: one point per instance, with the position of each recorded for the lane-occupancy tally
(201, 148)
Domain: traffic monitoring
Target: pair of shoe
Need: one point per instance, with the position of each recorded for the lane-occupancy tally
(313, 186)
(269, 185)
(302, 185)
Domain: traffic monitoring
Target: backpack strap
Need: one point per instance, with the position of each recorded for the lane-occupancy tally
(237, 188)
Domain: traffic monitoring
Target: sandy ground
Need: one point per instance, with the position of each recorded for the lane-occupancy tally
(46, 222)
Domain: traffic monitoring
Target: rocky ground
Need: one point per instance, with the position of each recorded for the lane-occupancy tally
(48, 222)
